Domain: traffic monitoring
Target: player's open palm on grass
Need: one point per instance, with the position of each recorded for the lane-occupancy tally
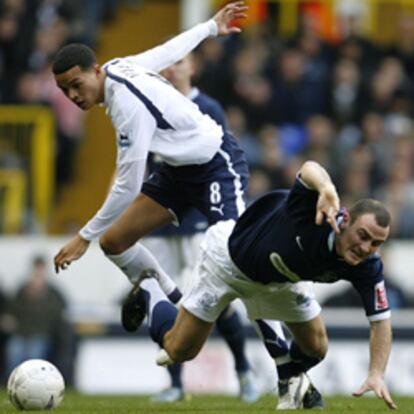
(376, 384)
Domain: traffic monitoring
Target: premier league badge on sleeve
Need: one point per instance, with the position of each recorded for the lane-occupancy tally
(381, 301)
(123, 141)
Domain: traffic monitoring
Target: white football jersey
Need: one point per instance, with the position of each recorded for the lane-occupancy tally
(148, 114)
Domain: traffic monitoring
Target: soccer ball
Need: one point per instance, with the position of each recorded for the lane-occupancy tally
(35, 385)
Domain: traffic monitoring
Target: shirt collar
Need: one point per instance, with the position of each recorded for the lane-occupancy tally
(194, 92)
(332, 235)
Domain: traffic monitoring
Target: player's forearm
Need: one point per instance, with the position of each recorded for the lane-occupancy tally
(126, 187)
(380, 346)
(112, 208)
(177, 48)
(315, 176)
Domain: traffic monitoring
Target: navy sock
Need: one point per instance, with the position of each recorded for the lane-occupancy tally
(162, 319)
(275, 345)
(300, 362)
(175, 374)
(306, 362)
(175, 296)
(232, 330)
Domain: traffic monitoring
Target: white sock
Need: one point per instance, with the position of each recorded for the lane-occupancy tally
(137, 259)
(163, 358)
(156, 294)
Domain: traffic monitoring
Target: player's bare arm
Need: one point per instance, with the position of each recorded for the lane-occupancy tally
(70, 252)
(317, 178)
(380, 347)
(227, 15)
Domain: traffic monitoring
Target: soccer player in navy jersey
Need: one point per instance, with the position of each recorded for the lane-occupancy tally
(177, 248)
(269, 258)
(203, 166)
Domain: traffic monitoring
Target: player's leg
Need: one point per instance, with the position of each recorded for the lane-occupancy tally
(222, 198)
(185, 339)
(231, 328)
(167, 248)
(119, 242)
(181, 336)
(282, 303)
(308, 349)
(310, 342)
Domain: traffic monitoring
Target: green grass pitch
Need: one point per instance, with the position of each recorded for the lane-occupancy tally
(75, 403)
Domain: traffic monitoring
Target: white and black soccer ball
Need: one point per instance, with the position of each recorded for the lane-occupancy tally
(36, 384)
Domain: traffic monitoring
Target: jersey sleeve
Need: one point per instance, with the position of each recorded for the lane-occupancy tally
(301, 202)
(126, 187)
(175, 49)
(212, 108)
(135, 127)
(371, 287)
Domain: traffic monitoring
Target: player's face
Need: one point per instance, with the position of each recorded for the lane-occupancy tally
(360, 239)
(83, 87)
(180, 73)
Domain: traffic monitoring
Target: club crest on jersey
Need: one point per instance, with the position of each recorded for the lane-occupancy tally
(123, 141)
(381, 301)
(207, 301)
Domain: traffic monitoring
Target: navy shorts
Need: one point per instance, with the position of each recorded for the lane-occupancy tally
(215, 188)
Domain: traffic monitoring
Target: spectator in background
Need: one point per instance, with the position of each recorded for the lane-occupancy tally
(251, 89)
(403, 49)
(345, 92)
(40, 88)
(259, 184)
(272, 154)
(355, 47)
(237, 124)
(39, 327)
(320, 140)
(296, 94)
(398, 191)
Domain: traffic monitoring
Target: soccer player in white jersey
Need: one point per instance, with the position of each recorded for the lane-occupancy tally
(203, 166)
(269, 258)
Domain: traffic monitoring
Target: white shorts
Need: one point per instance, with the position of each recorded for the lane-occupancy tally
(217, 282)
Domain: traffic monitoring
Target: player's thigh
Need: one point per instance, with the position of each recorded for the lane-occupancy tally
(141, 217)
(310, 336)
(185, 339)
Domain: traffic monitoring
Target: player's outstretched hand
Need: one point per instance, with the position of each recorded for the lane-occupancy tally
(70, 252)
(227, 14)
(377, 385)
(328, 206)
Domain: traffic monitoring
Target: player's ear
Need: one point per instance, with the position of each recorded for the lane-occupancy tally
(97, 69)
(346, 218)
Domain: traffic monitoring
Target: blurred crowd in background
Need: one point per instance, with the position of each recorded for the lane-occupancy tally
(31, 32)
(347, 104)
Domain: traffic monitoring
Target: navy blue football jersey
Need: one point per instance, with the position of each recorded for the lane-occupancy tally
(194, 221)
(276, 240)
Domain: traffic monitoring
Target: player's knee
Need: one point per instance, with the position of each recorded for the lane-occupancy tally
(318, 346)
(111, 245)
(182, 353)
